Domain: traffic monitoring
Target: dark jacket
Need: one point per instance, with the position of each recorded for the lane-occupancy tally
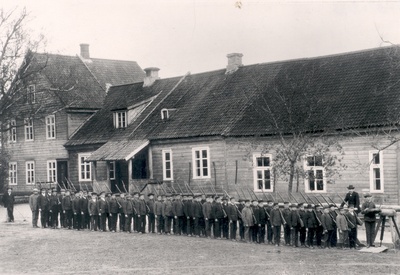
(207, 210)
(276, 218)
(141, 207)
(167, 209)
(66, 203)
(113, 206)
(311, 221)
(232, 213)
(327, 222)
(287, 214)
(93, 208)
(187, 208)
(177, 208)
(158, 207)
(150, 205)
(352, 199)
(43, 202)
(84, 202)
(103, 206)
(8, 200)
(351, 219)
(76, 205)
(197, 210)
(217, 211)
(295, 219)
(369, 213)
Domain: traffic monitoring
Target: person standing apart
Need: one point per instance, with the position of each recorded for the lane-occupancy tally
(8, 202)
(369, 210)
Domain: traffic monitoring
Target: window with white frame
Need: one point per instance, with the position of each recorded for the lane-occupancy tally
(85, 171)
(315, 180)
(30, 172)
(262, 172)
(51, 171)
(50, 127)
(28, 129)
(12, 132)
(376, 171)
(31, 94)
(201, 162)
(12, 173)
(167, 165)
(120, 119)
(111, 170)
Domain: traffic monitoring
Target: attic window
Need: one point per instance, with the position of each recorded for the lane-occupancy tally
(120, 120)
(164, 114)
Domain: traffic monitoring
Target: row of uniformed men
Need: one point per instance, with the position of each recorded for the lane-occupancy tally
(197, 215)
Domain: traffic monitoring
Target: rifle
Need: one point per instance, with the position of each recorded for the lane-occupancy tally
(180, 189)
(303, 197)
(111, 192)
(188, 188)
(87, 188)
(212, 189)
(244, 196)
(234, 204)
(201, 190)
(237, 192)
(123, 185)
(280, 197)
(249, 189)
(313, 210)
(318, 201)
(312, 202)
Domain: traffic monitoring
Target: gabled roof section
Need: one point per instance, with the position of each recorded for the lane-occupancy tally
(114, 72)
(358, 89)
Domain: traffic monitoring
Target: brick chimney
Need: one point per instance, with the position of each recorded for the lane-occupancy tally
(234, 62)
(151, 76)
(85, 51)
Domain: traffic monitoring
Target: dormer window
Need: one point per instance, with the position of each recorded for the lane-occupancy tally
(164, 114)
(120, 119)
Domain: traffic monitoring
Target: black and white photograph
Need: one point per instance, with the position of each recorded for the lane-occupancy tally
(200, 137)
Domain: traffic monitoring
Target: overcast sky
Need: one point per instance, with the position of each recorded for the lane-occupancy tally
(195, 36)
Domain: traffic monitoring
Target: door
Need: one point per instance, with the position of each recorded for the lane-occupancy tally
(62, 172)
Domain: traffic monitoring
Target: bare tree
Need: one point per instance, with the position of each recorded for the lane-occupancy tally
(17, 48)
(292, 110)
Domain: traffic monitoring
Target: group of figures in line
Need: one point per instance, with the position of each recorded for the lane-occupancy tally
(219, 217)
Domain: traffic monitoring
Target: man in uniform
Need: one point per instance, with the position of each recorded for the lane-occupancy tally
(60, 210)
(54, 201)
(187, 212)
(84, 206)
(303, 229)
(158, 207)
(225, 220)
(218, 214)
(113, 212)
(276, 223)
(44, 203)
(33, 203)
(76, 209)
(127, 207)
(333, 214)
(233, 217)
(177, 210)
(295, 224)
(208, 216)
(248, 220)
(93, 210)
(135, 218)
(141, 214)
(241, 225)
(311, 225)
(287, 215)
(121, 201)
(262, 220)
(270, 232)
(102, 204)
(168, 215)
(8, 202)
(152, 220)
(369, 210)
(66, 205)
(254, 229)
(197, 215)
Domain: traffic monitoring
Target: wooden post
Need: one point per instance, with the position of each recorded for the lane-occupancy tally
(236, 171)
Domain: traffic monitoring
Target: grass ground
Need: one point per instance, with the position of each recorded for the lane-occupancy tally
(46, 251)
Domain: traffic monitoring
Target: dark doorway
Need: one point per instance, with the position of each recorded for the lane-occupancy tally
(62, 172)
(121, 177)
(139, 165)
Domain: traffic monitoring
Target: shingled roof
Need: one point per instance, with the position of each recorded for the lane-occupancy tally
(358, 89)
(82, 83)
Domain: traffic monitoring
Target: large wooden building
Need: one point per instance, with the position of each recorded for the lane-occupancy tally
(61, 93)
(225, 128)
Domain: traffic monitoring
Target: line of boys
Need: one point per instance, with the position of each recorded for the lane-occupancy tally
(199, 216)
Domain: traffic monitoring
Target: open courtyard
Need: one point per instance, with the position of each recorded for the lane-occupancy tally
(46, 251)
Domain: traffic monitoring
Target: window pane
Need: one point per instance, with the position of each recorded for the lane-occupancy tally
(320, 174)
(167, 165)
(204, 153)
(377, 173)
(205, 172)
(320, 185)
(205, 163)
(310, 161)
(377, 184)
(197, 153)
(318, 161)
(259, 175)
(267, 184)
(259, 162)
(267, 174)
(260, 184)
(376, 159)
(167, 156)
(168, 174)
(266, 161)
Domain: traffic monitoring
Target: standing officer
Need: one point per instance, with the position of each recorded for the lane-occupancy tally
(352, 198)
(33, 203)
(233, 217)
(8, 202)
(177, 210)
(158, 207)
(66, 205)
(141, 214)
(369, 210)
(44, 203)
(151, 215)
(53, 209)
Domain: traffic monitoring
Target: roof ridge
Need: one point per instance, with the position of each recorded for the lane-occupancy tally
(87, 67)
(155, 107)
